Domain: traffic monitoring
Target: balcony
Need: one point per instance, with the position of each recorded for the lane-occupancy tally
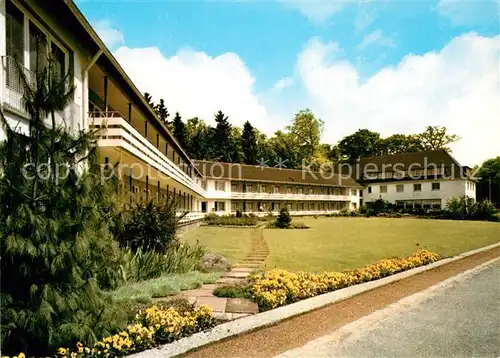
(291, 197)
(117, 132)
(14, 84)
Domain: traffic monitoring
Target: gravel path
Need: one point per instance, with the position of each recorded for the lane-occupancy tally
(298, 331)
(458, 319)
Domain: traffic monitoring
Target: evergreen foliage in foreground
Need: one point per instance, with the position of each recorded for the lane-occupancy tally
(56, 249)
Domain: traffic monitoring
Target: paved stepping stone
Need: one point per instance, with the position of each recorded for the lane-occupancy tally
(242, 269)
(241, 305)
(230, 281)
(236, 274)
(218, 304)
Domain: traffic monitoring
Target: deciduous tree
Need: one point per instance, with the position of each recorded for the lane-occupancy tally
(435, 138)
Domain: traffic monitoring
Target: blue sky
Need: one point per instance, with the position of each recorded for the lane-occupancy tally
(270, 41)
(269, 35)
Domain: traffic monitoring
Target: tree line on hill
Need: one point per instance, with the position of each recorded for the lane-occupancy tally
(296, 144)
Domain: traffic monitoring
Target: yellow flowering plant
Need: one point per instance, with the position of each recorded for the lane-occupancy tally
(153, 326)
(279, 287)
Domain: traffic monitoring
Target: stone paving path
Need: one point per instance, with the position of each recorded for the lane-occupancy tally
(233, 308)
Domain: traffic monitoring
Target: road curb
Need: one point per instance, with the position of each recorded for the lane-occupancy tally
(268, 318)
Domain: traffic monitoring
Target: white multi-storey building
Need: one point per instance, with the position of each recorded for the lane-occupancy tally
(249, 188)
(152, 165)
(415, 180)
(151, 162)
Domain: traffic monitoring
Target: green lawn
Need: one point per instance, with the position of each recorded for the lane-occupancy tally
(344, 243)
(232, 243)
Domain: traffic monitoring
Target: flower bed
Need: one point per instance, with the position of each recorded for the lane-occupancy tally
(153, 326)
(278, 287)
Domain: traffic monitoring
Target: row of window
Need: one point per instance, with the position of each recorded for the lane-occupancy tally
(400, 188)
(276, 206)
(221, 186)
(401, 174)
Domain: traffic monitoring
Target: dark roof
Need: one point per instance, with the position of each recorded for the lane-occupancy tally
(254, 173)
(405, 162)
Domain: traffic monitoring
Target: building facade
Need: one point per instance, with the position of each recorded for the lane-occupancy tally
(152, 165)
(248, 188)
(415, 180)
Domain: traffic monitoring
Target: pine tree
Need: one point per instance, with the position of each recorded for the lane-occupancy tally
(55, 245)
(221, 138)
(162, 111)
(249, 143)
(180, 132)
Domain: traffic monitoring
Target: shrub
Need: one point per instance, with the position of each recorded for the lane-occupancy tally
(284, 219)
(298, 225)
(465, 208)
(229, 220)
(232, 291)
(278, 287)
(149, 226)
(484, 210)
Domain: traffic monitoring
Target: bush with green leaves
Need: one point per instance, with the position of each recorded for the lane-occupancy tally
(149, 226)
(230, 220)
(284, 219)
(466, 208)
(56, 248)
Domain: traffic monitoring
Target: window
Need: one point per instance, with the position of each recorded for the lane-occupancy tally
(289, 190)
(249, 187)
(249, 206)
(262, 188)
(234, 206)
(277, 206)
(276, 190)
(37, 48)
(234, 188)
(220, 186)
(400, 188)
(436, 186)
(289, 206)
(354, 192)
(369, 189)
(383, 188)
(204, 184)
(300, 191)
(58, 61)
(15, 32)
(311, 190)
(220, 205)
(417, 187)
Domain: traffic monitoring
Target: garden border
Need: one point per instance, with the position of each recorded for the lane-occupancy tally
(268, 318)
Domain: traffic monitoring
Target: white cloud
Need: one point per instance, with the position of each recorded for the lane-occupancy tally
(376, 37)
(108, 34)
(195, 84)
(317, 11)
(283, 83)
(457, 87)
(470, 13)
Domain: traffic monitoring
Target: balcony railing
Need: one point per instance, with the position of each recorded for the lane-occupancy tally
(282, 196)
(118, 132)
(14, 83)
